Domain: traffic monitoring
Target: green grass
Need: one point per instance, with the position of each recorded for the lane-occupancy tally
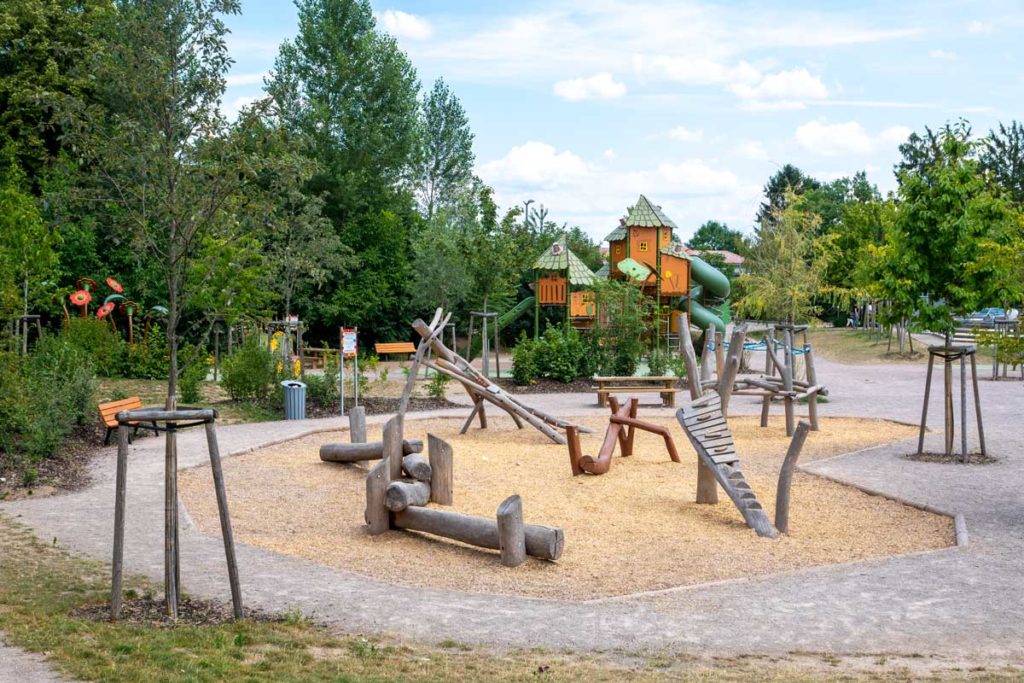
(860, 346)
(153, 392)
(41, 587)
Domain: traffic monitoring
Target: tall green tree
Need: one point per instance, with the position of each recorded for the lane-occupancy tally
(445, 169)
(43, 44)
(352, 94)
(1002, 157)
(156, 140)
(788, 182)
(715, 236)
(783, 278)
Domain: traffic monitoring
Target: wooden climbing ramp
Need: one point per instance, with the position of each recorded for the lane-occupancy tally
(706, 426)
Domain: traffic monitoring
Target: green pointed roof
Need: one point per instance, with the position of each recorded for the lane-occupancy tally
(604, 271)
(559, 257)
(643, 214)
(618, 233)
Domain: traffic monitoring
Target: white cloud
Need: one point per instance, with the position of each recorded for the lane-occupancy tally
(245, 79)
(593, 195)
(684, 134)
(846, 139)
(752, 150)
(977, 27)
(235, 105)
(795, 85)
(404, 25)
(689, 71)
(943, 55)
(609, 154)
(597, 87)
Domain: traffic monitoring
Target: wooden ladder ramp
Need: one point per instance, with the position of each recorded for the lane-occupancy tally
(708, 431)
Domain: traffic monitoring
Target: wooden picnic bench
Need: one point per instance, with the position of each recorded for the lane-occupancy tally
(109, 411)
(664, 385)
(394, 348)
(316, 358)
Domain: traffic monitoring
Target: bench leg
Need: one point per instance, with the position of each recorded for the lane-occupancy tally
(669, 399)
(106, 439)
(602, 400)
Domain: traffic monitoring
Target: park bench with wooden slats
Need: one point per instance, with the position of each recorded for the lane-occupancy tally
(394, 348)
(109, 411)
(664, 385)
(708, 431)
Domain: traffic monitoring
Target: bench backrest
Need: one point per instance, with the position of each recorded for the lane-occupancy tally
(395, 347)
(109, 411)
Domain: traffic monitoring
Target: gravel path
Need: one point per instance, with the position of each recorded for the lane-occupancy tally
(960, 601)
(18, 666)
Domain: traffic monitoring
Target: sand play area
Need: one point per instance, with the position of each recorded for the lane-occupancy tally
(636, 528)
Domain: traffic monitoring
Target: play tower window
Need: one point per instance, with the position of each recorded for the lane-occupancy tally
(643, 246)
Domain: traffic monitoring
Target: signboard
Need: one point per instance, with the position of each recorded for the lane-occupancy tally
(349, 341)
(293, 321)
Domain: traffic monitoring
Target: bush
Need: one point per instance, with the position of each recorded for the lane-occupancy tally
(42, 397)
(104, 347)
(196, 365)
(563, 356)
(437, 385)
(524, 361)
(149, 359)
(657, 362)
(322, 389)
(249, 372)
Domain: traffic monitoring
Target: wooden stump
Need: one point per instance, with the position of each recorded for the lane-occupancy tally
(357, 425)
(511, 532)
(441, 470)
(377, 516)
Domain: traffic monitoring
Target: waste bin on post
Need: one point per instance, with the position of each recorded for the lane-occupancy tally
(294, 400)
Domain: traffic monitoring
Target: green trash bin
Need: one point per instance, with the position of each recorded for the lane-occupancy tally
(294, 399)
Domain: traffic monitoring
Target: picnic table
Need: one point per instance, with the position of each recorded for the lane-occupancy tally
(664, 385)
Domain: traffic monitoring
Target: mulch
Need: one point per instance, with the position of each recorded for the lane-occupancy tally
(547, 386)
(973, 458)
(152, 612)
(380, 405)
(68, 471)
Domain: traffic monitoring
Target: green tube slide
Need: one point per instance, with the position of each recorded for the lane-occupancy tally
(522, 307)
(712, 281)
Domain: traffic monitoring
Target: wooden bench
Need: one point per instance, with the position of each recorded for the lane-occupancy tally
(109, 411)
(664, 385)
(394, 348)
(316, 358)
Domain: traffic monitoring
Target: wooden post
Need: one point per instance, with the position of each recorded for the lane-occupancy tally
(787, 380)
(377, 515)
(392, 448)
(572, 437)
(812, 379)
(120, 487)
(924, 409)
(786, 477)
(171, 523)
(357, 424)
(719, 353)
(977, 402)
(963, 406)
(225, 518)
(731, 366)
(690, 356)
(441, 472)
(511, 532)
(947, 383)
(706, 353)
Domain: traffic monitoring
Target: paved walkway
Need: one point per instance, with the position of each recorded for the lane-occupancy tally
(18, 666)
(960, 601)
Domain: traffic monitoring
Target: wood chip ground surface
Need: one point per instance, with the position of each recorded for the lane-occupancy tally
(636, 528)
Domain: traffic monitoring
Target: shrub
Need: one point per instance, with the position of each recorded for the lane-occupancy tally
(524, 361)
(678, 366)
(196, 365)
(248, 372)
(322, 389)
(563, 356)
(657, 362)
(104, 347)
(437, 385)
(148, 359)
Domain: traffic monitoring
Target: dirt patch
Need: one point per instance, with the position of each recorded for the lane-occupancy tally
(152, 612)
(66, 471)
(974, 458)
(547, 386)
(381, 405)
(636, 528)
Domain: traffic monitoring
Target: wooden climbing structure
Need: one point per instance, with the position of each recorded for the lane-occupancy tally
(708, 431)
(622, 426)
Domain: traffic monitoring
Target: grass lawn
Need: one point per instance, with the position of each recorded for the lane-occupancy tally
(860, 346)
(154, 391)
(42, 587)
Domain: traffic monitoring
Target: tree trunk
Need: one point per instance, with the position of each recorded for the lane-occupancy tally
(172, 341)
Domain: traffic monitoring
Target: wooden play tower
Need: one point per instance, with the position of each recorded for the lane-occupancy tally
(558, 276)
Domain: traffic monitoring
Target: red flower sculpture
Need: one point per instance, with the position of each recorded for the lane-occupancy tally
(129, 308)
(81, 298)
(86, 284)
(104, 310)
(114, 285)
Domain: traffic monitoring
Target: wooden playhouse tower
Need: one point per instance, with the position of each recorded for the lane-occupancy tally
(556, 272)
(644, 249)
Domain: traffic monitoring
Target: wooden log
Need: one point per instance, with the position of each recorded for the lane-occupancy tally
(977, 402)
(356, 426)
(787, 381)
(171, 524)
(706, 352)
(727, 376)
(924, 408)
(402, 494)
(543, 542)
(377, 515)
(786, 477)
(947, 382)
(511, 532)
(417, 467)
(357, 452)
(573, 440)
(392, 447)
(812, 380)
(441, 471)
(225, 519)
(689, 356)
(719, 353)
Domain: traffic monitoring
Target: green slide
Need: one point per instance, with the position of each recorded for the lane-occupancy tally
(511, 314)
(712, 281)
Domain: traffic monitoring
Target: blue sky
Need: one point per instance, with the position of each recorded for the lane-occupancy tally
(582, 105)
